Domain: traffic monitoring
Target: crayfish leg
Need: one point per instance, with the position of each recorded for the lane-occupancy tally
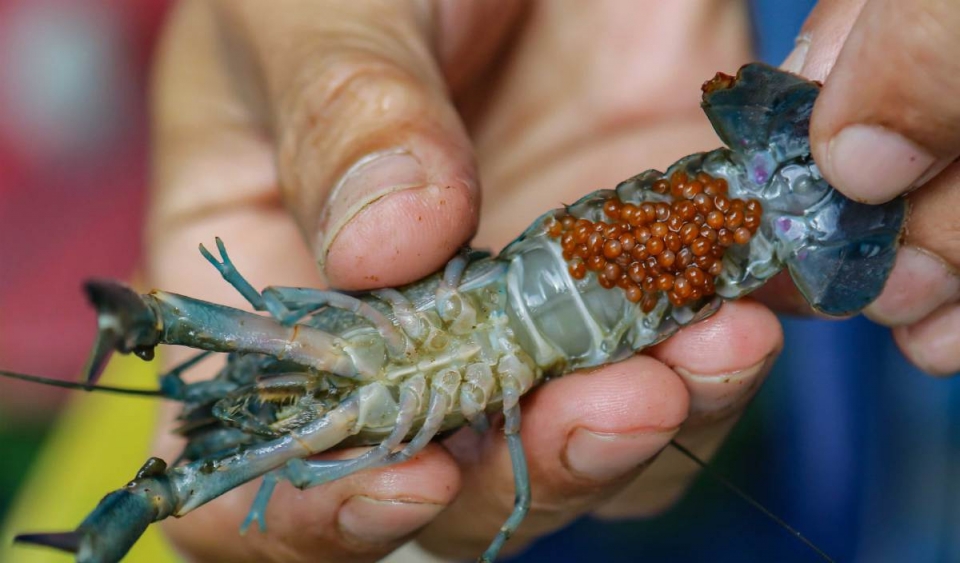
(761, 110)
(305, 474)
(305, 301)
(258, 511)
(452, 305)
(521, 475)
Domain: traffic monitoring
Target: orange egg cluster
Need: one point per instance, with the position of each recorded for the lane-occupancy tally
(658, 247)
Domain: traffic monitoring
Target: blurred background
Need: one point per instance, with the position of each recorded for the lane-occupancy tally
(73, 172)
(846, 441)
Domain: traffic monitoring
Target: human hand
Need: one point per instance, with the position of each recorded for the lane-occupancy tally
(353, 135)
(888, 121)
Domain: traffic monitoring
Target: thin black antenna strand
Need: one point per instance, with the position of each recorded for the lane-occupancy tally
(748, 499)
(82, 386)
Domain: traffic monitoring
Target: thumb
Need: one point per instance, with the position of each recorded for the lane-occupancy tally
(886, 120)
(373, 159)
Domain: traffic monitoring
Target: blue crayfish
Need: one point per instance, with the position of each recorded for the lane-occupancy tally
(597, 281)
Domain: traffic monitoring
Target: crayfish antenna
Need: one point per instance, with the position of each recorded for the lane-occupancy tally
(168, 393)
(125, 321)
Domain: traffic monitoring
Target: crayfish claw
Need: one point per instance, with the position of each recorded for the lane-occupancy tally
(126, 324)
(108, 533)
(64, 541)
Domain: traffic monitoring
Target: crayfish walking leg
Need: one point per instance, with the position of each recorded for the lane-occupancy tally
(304, 474)
(521, 476)
(290, 304)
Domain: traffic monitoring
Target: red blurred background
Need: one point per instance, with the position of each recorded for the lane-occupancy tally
(73, 176)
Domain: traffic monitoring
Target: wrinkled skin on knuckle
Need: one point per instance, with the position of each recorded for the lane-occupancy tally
(339, 113)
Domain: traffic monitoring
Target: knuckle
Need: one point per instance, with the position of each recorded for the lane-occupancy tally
(337, 95)
(933, 225)
(341, 108)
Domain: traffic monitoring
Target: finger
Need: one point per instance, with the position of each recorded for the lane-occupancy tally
(882, 123)
(362, 517)
(200, 127)
(735, 350)
(589, 434)
(373, 159)
(920, 298)
(212, 169)
(583, 435)
(821, 38)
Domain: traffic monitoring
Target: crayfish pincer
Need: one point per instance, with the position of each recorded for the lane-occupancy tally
(585, 285)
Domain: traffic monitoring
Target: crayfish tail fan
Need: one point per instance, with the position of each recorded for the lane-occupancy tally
(840, 251)
(125, 322)
(844, 268)
(761, 111)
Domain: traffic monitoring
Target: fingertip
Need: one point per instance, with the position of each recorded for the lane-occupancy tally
(401, 237)
(399, 216)
(378, 510)
(365, 521)
(431, 476)
(872, 164)
(637, 393)
(583, 435)
(721, 362)
(821, 38)
(597, 426)
(739, 335)
(881, 125)
(798, 56)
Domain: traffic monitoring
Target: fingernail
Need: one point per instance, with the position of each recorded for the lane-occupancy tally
(794, 61)
(933, 344)
(372, 521)
(872, 164)
(717, 393)
(367, 181)
(604, 457)
(918, 285)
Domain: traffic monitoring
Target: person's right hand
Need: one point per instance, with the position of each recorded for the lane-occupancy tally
(888, 122)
